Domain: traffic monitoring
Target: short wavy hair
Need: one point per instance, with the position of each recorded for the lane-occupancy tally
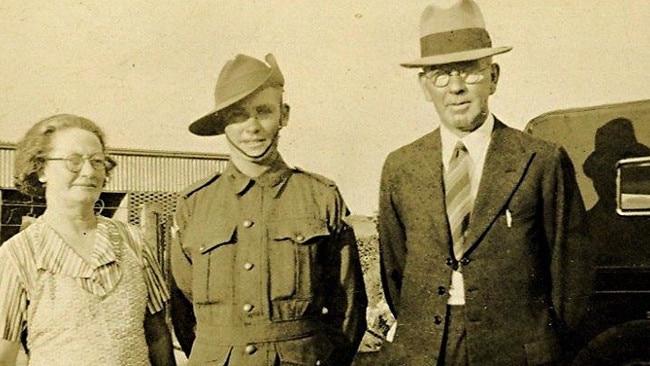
(33, 149)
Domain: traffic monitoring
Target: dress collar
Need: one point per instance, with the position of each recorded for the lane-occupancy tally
(57, 256)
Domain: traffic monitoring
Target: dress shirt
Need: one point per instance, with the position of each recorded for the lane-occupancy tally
(477, 143)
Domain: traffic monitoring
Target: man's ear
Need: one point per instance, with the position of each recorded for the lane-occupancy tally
(284, 117)
(426, 87)
(495, 71)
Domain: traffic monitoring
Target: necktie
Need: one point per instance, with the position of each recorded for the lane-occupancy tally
(458, 197)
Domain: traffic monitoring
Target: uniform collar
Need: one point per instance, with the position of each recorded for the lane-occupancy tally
(274, 178)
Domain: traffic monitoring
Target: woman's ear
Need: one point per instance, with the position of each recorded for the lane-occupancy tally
(284, 118)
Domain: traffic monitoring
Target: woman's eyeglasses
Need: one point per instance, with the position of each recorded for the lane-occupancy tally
(74, 162)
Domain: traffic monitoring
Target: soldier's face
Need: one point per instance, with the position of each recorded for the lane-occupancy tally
(461, 95)
(252, 124)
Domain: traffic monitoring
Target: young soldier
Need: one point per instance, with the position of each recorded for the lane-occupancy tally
(262, 249)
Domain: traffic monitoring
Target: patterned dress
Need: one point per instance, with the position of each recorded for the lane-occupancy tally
(80, 313)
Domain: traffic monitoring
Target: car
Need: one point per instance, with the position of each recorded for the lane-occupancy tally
(609, 146)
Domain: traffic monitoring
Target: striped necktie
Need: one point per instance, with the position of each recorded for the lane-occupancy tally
(458, 197)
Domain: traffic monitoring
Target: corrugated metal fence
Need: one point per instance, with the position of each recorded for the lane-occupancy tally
(140, 170)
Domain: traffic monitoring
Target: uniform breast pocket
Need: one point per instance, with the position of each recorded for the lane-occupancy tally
(213, 266)
(293, 257)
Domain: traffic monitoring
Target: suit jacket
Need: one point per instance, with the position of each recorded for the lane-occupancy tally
(518, 285)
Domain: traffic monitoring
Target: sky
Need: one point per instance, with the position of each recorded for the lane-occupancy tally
(144, 70)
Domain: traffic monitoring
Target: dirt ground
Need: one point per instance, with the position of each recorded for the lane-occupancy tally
(378, 315)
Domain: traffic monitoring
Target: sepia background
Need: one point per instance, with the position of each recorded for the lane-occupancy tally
(144, 70)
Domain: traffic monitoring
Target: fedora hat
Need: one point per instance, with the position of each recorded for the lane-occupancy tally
(238, 79)
(614, 141)
(453, 33)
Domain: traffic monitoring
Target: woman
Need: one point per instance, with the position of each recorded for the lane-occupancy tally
(82, 285)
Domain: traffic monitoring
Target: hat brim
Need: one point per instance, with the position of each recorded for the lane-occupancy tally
(209, 125)
(212, 124)
(605, 160)
(456, 57)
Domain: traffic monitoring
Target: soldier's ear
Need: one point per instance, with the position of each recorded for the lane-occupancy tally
(284, 118)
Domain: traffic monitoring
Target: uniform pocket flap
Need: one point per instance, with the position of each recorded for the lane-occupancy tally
(299, 231)
(220, 235)
(315, 350)
(208, 354)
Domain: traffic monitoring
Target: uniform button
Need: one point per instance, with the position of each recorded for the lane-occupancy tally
(250, 349)
(318, 363)
(441, 290)
(449, 261)
(202, 248)
(465, 261)
(300, 238)
(437, 320)
(248, 223)
(324, 310)
(248, 266)
(248, 307)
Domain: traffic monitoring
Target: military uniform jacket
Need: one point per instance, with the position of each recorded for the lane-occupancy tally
(271, 268)
(525, 227)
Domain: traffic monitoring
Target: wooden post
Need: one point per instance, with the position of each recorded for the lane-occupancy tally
(149, 222)
(1, 201)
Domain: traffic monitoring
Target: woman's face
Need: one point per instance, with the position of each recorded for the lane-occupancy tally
(66, 183)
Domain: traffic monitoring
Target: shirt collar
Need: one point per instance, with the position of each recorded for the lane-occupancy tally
(476, 142)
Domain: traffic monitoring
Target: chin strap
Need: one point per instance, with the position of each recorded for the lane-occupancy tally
(260, 157)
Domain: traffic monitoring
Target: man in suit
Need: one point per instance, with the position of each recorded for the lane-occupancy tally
(478, 222)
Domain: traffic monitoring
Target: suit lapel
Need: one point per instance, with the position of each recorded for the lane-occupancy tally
(505, 165)
(432, 192)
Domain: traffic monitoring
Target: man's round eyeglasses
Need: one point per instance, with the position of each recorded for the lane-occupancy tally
(74, 162)
(441, 78)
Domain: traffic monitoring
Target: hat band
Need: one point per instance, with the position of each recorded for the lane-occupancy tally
(454, 41)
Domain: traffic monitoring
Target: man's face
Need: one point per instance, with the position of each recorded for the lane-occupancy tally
(460, 92)
(252, 124)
